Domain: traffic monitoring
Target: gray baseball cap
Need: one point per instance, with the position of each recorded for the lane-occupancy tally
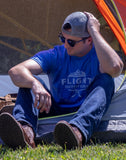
(78, 23)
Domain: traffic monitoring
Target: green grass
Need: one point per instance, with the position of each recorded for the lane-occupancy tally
(50, 152)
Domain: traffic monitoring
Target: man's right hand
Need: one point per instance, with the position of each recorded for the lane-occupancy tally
(42, 97)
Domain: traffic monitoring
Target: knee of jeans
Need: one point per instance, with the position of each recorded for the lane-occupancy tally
(105, 80)
(108, 84)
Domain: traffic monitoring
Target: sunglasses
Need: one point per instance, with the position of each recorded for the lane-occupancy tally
(70, 41)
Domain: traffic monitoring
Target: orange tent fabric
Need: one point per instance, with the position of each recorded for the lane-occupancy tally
(112, 21)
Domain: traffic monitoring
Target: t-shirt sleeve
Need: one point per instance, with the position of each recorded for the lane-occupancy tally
(46, 59)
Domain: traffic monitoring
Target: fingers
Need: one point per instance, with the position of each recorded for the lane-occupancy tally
(36, 100)
(93, 23)
(42, 97)
(43, 102)
(89, 15)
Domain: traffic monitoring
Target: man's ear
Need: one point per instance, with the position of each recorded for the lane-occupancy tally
(89, 40)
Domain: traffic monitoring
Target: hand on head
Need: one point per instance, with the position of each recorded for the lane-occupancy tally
(93, 23)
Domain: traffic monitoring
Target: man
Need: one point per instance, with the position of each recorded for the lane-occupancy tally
(80, 74)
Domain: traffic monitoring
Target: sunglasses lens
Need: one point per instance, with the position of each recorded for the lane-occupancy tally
(62, 39)
(71, 42)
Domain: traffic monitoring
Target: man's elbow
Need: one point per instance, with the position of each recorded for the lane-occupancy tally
(11, 72)
(117, 69)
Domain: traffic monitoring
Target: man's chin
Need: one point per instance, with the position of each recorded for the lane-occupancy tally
(70, 53)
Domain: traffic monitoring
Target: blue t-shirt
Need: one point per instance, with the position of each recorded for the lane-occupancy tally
(69, 76)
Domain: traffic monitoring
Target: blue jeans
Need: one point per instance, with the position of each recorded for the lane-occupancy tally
(88, 115)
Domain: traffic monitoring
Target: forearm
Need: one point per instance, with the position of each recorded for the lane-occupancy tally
(109, 60)
(22, 77)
